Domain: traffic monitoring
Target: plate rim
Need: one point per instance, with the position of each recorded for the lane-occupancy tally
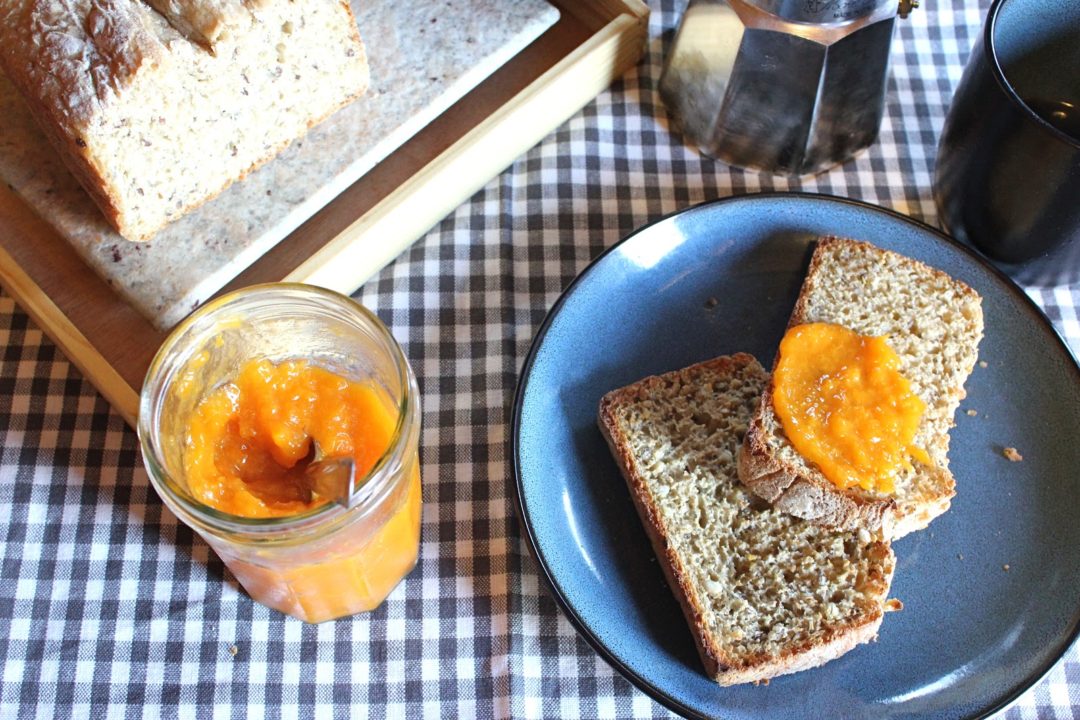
(522, 514)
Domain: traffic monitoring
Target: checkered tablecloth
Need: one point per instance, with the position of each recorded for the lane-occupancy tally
(110, 608)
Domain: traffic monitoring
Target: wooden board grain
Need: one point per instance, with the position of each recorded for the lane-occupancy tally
(365, 227)
(107, 339)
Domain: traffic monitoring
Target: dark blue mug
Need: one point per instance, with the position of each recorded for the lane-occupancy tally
(1008, 167)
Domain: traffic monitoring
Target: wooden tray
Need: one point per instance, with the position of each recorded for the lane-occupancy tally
(365, 227)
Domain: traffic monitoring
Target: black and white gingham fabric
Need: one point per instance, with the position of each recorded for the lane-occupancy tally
(109, 608)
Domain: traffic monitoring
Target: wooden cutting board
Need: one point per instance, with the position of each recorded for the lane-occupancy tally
(423, 58)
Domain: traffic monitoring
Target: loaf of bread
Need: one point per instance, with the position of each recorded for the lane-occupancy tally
(156, 106)
(765, 593)
(934, 323)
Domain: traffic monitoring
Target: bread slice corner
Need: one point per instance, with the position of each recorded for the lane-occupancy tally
(765, 593)
(934, 323)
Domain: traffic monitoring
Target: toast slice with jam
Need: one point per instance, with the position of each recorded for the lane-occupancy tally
(934, 324)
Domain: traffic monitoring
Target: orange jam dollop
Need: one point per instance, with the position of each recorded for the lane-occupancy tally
(846, 407)
(247, 438)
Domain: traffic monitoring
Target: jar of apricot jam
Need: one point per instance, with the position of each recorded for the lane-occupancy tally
(246, 391)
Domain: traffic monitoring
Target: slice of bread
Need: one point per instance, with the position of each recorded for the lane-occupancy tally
(765, 593)
(934, 323)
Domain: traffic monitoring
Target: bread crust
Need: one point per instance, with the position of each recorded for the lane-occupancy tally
(801, 489)
(75, 157)
(804, 495)
(726, 670)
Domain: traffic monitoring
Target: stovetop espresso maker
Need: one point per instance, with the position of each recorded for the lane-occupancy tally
(788, 86)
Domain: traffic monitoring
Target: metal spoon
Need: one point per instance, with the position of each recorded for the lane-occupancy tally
(333, 478)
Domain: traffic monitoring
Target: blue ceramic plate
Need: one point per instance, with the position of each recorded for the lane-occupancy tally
(991, 590)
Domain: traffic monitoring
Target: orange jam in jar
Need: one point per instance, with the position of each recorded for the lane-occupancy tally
(846, 407)
(250, 439)
(231, 415)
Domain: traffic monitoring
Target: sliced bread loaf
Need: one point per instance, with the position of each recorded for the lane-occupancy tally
(765, 593)
(158, 106)
(934, 324)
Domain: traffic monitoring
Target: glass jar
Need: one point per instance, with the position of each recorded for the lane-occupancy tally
(329, 561)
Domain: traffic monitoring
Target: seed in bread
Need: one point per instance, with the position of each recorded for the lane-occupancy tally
(158, 107)
(934, 323)
(765, 593)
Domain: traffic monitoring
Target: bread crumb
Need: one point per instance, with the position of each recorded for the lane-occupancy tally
(761, 682)
(982, 363)
(959, 556)
(711, 303)
(1005, 567)
(893, 605)
(1012, 454)
(972, 413)
(233, 650)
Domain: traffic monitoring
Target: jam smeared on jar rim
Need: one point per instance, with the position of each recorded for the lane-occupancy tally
(250, 439)
(846, 407)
